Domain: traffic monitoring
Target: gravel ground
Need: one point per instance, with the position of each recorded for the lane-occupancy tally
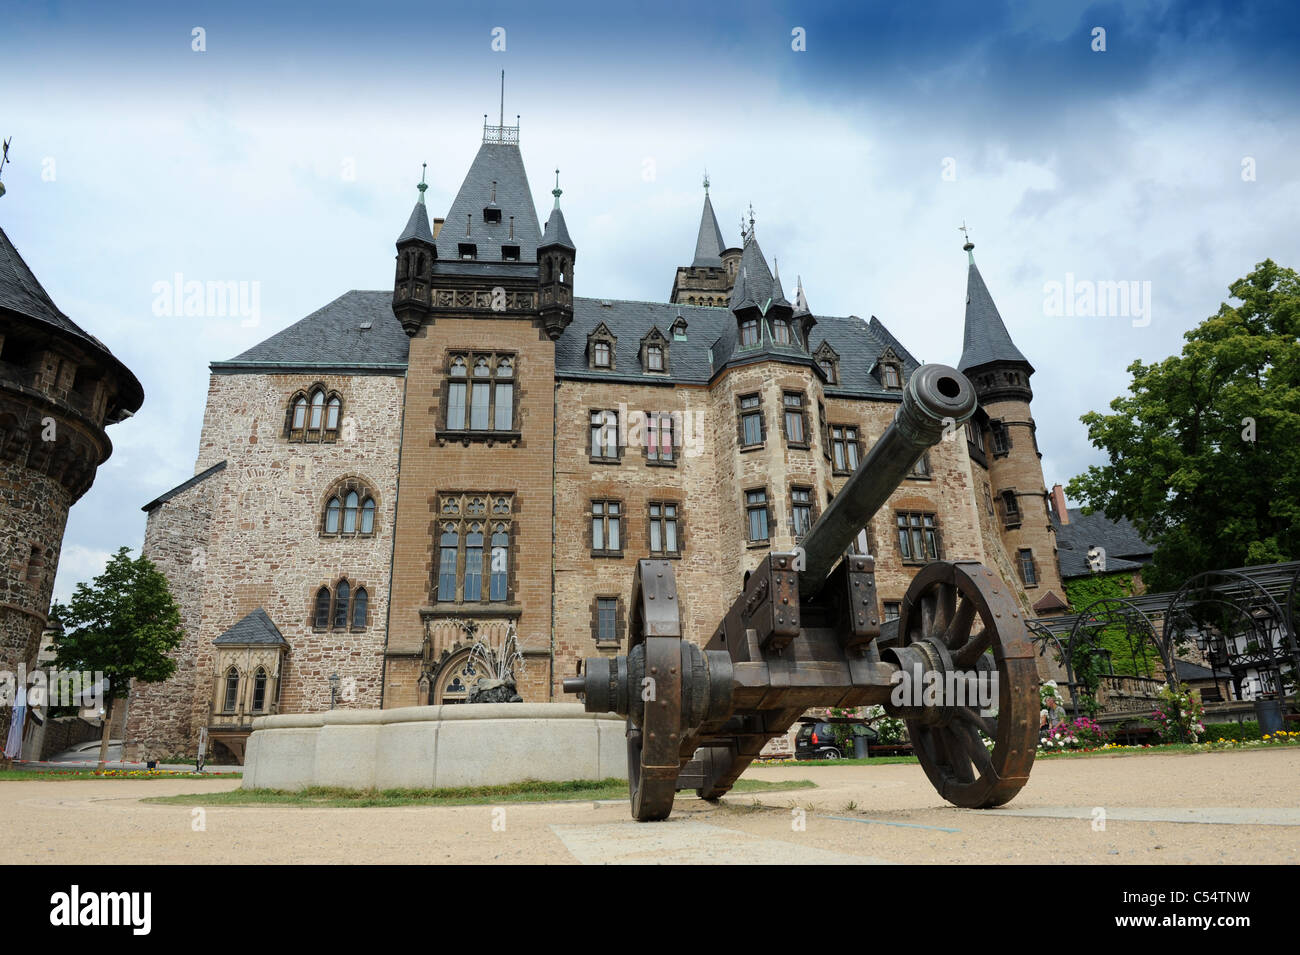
(867, 814)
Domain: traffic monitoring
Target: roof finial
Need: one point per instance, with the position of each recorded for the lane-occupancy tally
(751, 220)
(4, 158)
(502, 120)
(422, 185)
(557, 191)
(969, 247)
(706, 182)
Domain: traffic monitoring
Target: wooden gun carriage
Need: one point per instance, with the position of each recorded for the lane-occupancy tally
(807, 631)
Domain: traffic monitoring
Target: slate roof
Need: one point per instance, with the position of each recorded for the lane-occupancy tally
(1125, 549)
(708, 245)
(332, 336)
(501, 162)
(1187, 671)
(21, 292)
(986, 338)
(254, 630)
(417, 227)
(184, 486)
(557, 233)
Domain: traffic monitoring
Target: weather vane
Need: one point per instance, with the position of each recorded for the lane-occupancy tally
(4, 158)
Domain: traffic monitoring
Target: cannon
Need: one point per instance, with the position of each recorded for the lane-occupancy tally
(807, 631)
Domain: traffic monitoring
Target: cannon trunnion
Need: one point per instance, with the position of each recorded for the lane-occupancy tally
(806, 631)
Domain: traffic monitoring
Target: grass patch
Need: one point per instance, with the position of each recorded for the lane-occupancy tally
(59, 775)
(529, 791)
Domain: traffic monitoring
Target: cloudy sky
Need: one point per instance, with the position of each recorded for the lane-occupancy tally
(286, 151)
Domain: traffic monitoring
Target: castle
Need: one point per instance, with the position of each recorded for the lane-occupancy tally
(479, 452)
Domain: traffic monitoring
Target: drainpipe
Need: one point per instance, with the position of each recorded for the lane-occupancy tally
(555, 417)
(392, 550)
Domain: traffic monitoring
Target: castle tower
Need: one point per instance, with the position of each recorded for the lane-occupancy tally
(1017, 493)
(473, 535)
(59, 389)
(709, 278)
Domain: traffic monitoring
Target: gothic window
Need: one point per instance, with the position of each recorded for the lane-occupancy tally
(664, 537)
(757, 516)
(891, 376)
(1010, 508)
(918, 537)
(259, 690)
(349, 510)
(360, 607)
(480, 394)
(829, 362)
(654, 352)
(342, 592)
(322, 617)
(474, 551)
(844, 449)
(313, 415)
(600, 349)
(659, 437)
(1028, 567)
(604, 436)
(606, 529)
(801, 511)
(232, 691)
(1001, 437)
(795, 419)
(753, 430)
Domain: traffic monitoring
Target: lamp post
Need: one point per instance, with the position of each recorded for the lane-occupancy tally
(334, 688)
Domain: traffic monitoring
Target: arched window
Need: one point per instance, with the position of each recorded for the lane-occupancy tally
(332, 516)
(299, 413)
(360, 607)
(232, 690)
(341, 594)
(332, 414)
(350, 504)
(497, 578)
(368, 516)
(317, 409)
(259, 690)
(448, 550)
(474, 563)
(322, 616)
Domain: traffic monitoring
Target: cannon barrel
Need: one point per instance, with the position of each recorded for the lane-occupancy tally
(937, 401)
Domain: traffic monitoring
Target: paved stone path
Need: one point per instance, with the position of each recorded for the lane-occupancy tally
(1231, 807)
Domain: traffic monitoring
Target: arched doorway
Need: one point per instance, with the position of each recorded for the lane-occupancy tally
(454, 678)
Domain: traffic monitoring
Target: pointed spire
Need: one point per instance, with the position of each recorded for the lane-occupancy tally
(778, 293)
(800, 300)
(755, 288)
(417, 226)
(557, 233)
(986, 339)
(708, 243)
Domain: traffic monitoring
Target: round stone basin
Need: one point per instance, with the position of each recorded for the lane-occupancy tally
(435, 747)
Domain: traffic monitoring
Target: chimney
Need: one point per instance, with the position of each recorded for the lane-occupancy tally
(437, 226)
(1058, 504)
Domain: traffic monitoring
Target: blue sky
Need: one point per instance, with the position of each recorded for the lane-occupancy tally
(135, 157)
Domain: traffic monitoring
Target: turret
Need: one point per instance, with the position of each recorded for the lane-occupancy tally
(415, 254)
(555, 257)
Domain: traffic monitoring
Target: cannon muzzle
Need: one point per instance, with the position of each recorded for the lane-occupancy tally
(937, 402)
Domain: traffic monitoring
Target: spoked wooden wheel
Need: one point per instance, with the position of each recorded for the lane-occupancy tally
(954, 616)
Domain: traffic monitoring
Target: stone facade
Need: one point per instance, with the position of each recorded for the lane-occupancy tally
(487, 499)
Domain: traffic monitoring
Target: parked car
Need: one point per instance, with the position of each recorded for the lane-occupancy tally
(818, 740)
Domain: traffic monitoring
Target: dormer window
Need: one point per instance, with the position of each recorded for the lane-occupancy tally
(654, 358)
(509, 253)
(467, 250)
(491, 214)
(749, 332)
(891, 370)
(780, 331)
(654, 352)
(600, 349)
(679, 329)
(829, 363)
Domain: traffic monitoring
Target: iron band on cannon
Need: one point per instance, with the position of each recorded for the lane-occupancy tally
(806, 631)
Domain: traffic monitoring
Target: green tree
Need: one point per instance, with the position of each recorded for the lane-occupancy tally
(124, 624)
(1205, 449)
